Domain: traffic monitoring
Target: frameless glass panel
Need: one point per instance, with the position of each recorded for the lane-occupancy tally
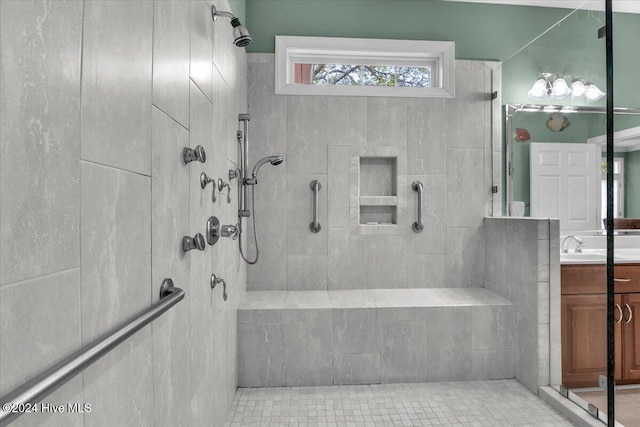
(555, 69)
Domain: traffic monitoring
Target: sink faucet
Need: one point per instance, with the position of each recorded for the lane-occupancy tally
(565, 244)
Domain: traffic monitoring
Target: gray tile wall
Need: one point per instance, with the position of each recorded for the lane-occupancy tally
(445, 143)
(522, 264)
(93, 211)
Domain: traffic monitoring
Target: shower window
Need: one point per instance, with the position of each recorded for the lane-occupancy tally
(363, 75)
(364, 67)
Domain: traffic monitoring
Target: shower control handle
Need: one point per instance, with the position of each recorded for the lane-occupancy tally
(204, 180)
(221, 185)
(229, 231)
(191, 154)
(216, 280)
(213, 230)
(195, 242)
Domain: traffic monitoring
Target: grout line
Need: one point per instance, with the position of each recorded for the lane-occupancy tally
(82, 376)
(91, 162)
(153, 325)
(44, 276)
(168, 115)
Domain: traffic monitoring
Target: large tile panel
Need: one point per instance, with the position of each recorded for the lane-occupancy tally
(39, 126)
(201, 67)
(308, 347)
(116, 84)
(116, 283)
(348, 118)
(40, 323)
(122, 379)
(465, 257)
(116, 247)
(307, 134)
(386, 262)
(261, 355)
(171, 48)
(270, 272)
(263, 102)
(347, 261)
(169, 222)
(426, 136)
(465, 112)
(465, 187)
(403, 351)
(449, 343)
(387, 121)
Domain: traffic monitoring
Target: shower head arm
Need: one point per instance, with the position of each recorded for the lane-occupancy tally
(215, 13)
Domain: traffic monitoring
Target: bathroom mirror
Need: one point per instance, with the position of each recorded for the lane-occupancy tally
(529, 126)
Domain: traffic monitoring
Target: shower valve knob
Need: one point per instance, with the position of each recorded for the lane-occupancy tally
(195, 242)
(229, 231)
(204, 180)
(191, 154)
(213, 230)
(221, 185)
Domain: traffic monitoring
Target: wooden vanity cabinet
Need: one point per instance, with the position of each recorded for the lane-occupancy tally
(584, 330)
(631, 338)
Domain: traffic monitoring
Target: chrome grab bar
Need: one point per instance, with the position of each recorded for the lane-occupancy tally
(417, 226)
(315, 225)
(47, 382)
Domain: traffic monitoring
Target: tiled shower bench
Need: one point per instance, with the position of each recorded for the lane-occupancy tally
(296, 338)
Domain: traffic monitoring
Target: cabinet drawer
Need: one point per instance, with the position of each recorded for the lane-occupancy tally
(592, 278)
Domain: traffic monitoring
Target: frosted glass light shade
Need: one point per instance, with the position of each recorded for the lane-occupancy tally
(578, 89)
(560, 88)
(538, 90)
(593, 93)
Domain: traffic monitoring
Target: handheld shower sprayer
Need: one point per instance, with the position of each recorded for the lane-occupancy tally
(245, 181)
(274, 160)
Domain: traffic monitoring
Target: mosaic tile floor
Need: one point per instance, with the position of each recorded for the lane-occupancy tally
(469, 403)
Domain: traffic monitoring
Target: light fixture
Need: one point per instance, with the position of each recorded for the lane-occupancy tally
(556, 86)
(241, 36)
(578, 89)
(560, 88)
(593, 93)
(539, 89)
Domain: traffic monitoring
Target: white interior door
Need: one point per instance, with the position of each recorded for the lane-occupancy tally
(565, 184)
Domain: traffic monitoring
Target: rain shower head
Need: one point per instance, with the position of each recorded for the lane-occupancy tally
(241, 36)
(274, 160)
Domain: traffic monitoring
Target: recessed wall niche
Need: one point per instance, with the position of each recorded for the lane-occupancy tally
(378, 193)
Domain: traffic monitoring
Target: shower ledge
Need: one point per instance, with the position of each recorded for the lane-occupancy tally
(371, 298)
(373, 336)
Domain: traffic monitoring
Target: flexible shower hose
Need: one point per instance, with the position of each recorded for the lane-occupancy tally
(255, 237)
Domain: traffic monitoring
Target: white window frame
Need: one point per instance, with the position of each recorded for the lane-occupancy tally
(440, 55)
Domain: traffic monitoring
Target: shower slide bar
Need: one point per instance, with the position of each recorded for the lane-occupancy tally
(26, 396)
(417, 226)
(315, 225)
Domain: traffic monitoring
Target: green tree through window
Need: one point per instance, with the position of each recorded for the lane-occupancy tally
(371, 75)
